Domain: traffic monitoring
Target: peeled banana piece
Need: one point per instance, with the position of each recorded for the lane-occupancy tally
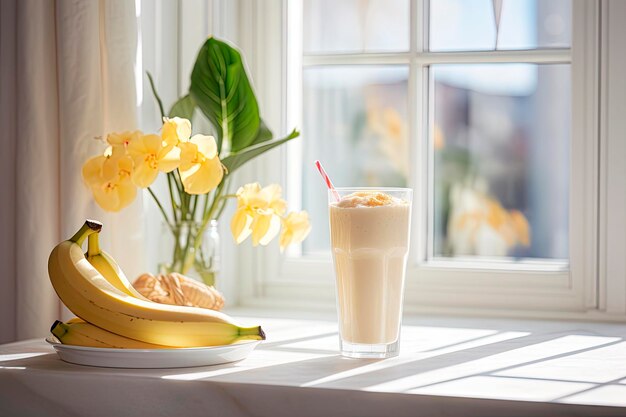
(90, 296)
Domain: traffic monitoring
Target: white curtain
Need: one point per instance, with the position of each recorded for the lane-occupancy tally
(67, 77)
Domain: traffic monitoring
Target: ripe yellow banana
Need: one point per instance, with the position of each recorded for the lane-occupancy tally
(94, 299)
(110, 270)
(75, 320)
(81, 333)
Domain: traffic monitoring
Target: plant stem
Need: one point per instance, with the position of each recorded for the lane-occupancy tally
(205, 204)
(156, 95)
(179, 182)
(158, 203)
(208, 215)
(193, 203)
(188, 210)
(190, 231)
(194, 207)
(174, 205)
(224, 202)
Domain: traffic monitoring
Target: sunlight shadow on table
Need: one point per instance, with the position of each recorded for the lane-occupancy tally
(509, 388)
(260, 361)
(295, 356)
(414, 350)
(545, 371)
(18, 356)
(445, 361)
(532, 352)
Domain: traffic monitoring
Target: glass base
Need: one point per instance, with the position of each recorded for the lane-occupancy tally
(364, 351)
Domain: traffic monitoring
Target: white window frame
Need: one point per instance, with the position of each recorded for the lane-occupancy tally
(595, 284)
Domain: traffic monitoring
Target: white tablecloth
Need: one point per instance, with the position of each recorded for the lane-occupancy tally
(447, 367)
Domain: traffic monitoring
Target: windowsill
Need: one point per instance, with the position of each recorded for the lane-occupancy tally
(447, 366)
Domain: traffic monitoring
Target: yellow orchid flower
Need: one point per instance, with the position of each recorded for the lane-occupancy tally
(265, 227)
(118, 143)
(296, 227)
(258, 213)
(124, 138)
(266, 223)
(109, 181)
(150, 155)
(242, 219)
(175, 130)
(271, 196)
(200, 167)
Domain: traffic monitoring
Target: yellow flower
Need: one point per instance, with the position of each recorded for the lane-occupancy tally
(118, 143)
(258, 213)
(271, 196)
(296, 227)
(109, 180)
(124, 138)
(242, 219)
(200, 167)
(151, 155)
(175, 130)
(265, 227)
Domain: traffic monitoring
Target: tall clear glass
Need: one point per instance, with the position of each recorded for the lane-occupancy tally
(369, 234)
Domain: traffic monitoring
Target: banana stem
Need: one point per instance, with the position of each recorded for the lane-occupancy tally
(252, 332)
(90, 227)
(58, 329)
(93, 244)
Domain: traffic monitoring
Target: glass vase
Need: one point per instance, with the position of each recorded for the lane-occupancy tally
(190, 251)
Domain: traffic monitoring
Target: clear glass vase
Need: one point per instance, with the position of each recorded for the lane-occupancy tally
(188, 253)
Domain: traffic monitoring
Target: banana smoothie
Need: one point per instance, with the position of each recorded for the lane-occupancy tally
(370, 241)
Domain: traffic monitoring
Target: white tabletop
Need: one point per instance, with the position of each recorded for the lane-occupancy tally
(447, 367)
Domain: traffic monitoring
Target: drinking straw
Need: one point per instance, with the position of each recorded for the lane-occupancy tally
(326, 178)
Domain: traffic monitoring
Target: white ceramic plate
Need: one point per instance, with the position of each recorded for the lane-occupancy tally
(152, 358)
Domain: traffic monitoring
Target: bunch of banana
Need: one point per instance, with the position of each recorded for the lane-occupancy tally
(103, 297)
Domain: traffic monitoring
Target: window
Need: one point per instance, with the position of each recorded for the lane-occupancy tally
(499, 133)
(469, 103)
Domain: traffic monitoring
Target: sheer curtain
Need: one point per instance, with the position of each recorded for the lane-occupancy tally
(68, 76)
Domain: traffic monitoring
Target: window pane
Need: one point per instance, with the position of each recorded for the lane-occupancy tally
(355, 122)
(501, 140)
(356, 26)
(470, 25)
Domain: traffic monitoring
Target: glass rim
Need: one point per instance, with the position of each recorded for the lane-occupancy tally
(397, 189)
(181, 222)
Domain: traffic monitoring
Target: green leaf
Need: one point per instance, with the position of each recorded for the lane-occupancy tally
(222, 91)
(184, 108)
(263, 134)
(234, 161)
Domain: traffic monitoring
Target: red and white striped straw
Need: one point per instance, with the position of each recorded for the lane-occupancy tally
(326, 178)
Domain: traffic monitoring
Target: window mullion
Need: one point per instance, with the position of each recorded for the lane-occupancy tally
(541, 56)
(544, 56)
(420, 25)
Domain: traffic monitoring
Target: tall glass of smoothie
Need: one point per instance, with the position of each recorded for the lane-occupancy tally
(369, 233)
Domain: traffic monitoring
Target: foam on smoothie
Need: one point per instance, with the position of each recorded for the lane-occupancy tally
(368, 199)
